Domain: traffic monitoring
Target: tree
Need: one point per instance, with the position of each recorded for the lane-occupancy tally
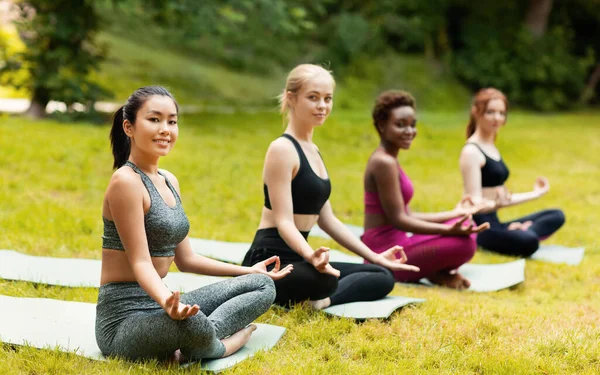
(60, 53)
(536, 19)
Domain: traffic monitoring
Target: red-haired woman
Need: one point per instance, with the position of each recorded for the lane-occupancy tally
(484, 173)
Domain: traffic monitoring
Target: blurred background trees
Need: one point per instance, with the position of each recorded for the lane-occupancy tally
(545, 54)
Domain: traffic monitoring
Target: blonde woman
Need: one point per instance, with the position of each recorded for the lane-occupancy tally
(297, 189)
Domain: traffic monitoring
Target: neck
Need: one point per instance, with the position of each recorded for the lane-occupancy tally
(484, 137)
(302, 131)
(146, 163)
(389, 148)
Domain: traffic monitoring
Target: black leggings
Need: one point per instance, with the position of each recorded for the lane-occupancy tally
(357, 282)
(518, 242)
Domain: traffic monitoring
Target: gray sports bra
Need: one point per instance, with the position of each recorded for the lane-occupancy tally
(165, 226)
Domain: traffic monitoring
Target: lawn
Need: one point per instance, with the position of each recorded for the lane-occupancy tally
(53, 176)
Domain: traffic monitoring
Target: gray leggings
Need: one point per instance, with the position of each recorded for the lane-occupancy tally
(130, 324)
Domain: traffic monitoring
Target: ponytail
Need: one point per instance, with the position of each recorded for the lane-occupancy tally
(471, 126)
(119, 141)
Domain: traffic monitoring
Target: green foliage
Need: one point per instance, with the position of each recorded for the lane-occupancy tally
(60, 51)
(346, 37)
(432, 84)
(10, 46)
(540, 73)
(253, 36)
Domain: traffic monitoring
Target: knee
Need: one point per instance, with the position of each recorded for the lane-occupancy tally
(528, 244)
(468, 247)
(325, 285)
(266, 285)
(388, 282)
(464, 248)
(559, 217)
(198, 329)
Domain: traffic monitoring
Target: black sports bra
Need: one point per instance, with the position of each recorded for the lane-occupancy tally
(494, 172)
(309, 191)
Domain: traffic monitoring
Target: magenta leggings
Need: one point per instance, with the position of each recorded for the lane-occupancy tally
(431, 253)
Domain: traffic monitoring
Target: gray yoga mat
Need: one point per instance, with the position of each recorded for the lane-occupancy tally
(232, 252)
(318, 232)
(79, 272)
(546, 253)
(559, 254)
(72, 272)
(48, 323)
(491, 277)
(379, 309)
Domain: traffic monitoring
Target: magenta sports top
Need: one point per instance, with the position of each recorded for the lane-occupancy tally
(373, 203)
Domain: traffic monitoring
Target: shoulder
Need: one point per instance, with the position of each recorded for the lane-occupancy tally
(282, 149)
(382, 161)
(124, 182)
(471, 153)
(125, 177)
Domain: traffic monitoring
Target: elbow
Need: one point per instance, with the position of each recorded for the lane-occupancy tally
(281, 224)
(182, 265)
(400, 223)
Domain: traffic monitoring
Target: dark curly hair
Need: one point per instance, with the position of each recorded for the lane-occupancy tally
(387, 101)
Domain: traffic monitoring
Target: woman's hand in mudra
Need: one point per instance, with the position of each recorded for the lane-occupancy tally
(177, 310)
(389, 260)
(275, 273)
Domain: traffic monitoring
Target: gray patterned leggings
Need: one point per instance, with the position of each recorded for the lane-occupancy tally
(130, 324)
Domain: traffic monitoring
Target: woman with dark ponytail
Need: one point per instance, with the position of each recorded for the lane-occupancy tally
(484, 173)
(145, 230)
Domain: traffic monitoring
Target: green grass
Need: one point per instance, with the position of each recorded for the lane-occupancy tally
(53, 177)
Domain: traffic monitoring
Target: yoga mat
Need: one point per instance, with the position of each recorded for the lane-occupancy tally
(73, 272)
(379, 309)
(232, 252)
(318, 232)
(559, 254)
(79, 272)
(491, 277)
(48, 323)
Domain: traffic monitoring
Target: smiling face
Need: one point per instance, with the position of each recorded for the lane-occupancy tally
(155, 129)
(401, 127)
(312, 104)
(494, 116)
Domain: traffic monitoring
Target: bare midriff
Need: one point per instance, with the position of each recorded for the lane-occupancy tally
(116, 268)
(304, 223)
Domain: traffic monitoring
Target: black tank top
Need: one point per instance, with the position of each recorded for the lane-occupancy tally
(309, 191)
(494, 172)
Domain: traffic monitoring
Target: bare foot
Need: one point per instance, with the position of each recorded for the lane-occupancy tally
(234, 342)
(450, 280)
(320, 304)
(176, 358)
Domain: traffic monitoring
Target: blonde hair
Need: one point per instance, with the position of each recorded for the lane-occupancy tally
(296, 80)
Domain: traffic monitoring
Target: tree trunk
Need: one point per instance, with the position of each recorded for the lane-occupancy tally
(590, 88)
(537, 16)
(39, 101)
